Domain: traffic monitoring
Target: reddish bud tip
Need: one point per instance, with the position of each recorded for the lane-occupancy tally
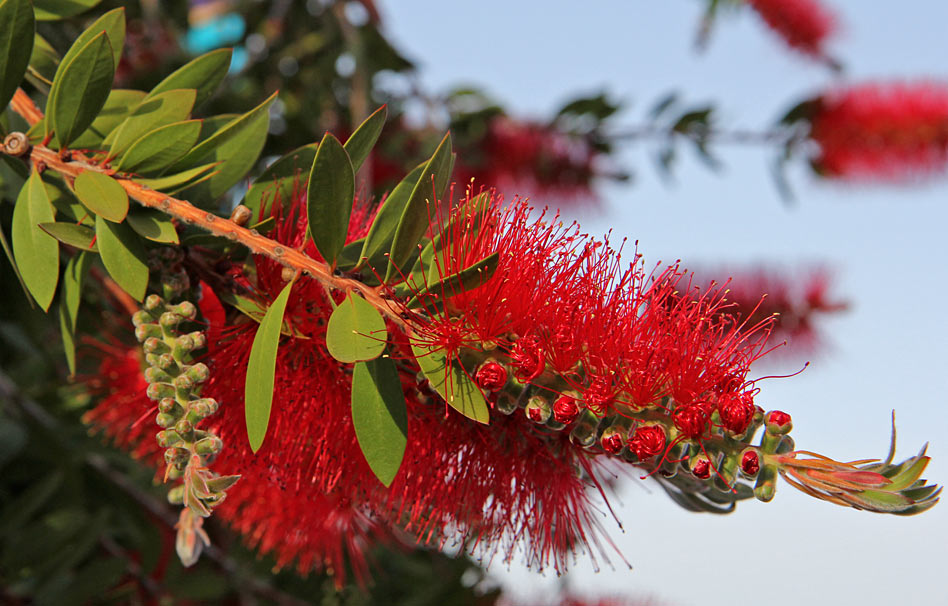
(565, 409)
(648, 441)
(612, 441)
(750, 462)
(701, 468)
(491, 376)
(778, 422)
(538, 409)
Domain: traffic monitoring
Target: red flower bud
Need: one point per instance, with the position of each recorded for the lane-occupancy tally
(527, 359)
(778, 422)
(736, 412)
(612, 441)
(691, 420)
(491, 376)
(750, 462)
(701, 468)
(648, 441)
(537, 409)
(565, 409)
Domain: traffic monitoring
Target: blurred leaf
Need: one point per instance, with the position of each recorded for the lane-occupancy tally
(102, 195)
(663, 105)
(16, 45)
(451, 382)
(280, 180)
(356, 331)
(360, 143)
(160, 148)
(80, 88)
(330, 195)
(51, 10)
(153, 225)
(379, 416)
(801, 112)
(78, 236)
(597, 107)
(37, 255)
(152, 112)
(17, 512)
(123, 256)
(204, 74)
(43, 63)
(69, 299)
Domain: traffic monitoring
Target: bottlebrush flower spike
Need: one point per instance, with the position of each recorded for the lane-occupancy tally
(882, 131)
(804, 25)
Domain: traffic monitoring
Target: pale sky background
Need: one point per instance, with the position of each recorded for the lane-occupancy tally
(888, 244)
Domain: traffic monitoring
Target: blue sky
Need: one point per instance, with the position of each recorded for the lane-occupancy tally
(887, 245)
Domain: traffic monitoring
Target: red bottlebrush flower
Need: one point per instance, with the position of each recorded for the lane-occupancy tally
(737, 412)
(885, 131)
(566, 409)
(691, 420)
(612, 441)
(491, 376)
(647, 441)
(803, 24)
(527, 358)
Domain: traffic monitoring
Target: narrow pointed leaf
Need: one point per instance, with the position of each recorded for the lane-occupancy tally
(76, 235)
(16, 45)
(258, 389)
(53, 10)
(451, 383)
(16, 268)
(382, 232)
(462, 281)
(118, 106)
(102, 195)
(123, 255)
(69, 299)
(36, 254)
(166, 108)
(360, 143)
(280, 179)
(204, 74)
(330, 195)
(80, 88)
(170, 183)
(379, 416)
(153, 225)
(414, 220)
(160, 148)
(356, 331)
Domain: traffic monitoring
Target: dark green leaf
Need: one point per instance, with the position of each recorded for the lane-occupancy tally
(80, 88)
(379, 416)
(451, 382)
(165, 108)
(69, 298)
(123, 256)
(279, 180)
(73, 234)
(361, 142)
(160, 148)
(356, 331)
(261, 367)
(16, 45)
(462, 281)
(153, 225)
(20, 510)
(102, 195)
(204, 74)
(379, 239)
(414, 220)
(330, 195)
(117, 107)
(349, 256)
(53, 10)
(171, 183)
(37, 255)
(43, 63)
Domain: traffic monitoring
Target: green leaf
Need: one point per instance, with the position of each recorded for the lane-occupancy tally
(451, 382)
(361, 142)
(117, 107)
(43, 63)
(279, 180)
(236, 146)
(78, 236)
(160, 148)
(414, 220)
(356, 331)
(37, 255)
(53, 10)
(171, 183)
(16, 268)
(258, 389)
(102, 195)
(467, 279)
(165, 108)
(330, 194)
(382, 232)
(80, 88)
(123, 256)
(69, 298)
(153, 225)
(204, 74)
(16, 45)
(379, 416)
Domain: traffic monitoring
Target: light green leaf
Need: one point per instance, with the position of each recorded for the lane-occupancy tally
(279, 180)
(261, 367)
(414, 220)
(204, 74)
(153, 225)
(379, 416)
(123, 256)
(16, 45)
(451, 382)
(53, 10)
(360, 143)
(330, 195)
(36, 254)
(78, 236)
(160, 148)
(117, 107)
(165, 108)
(356, 331)
(382, 232)
(69, 299)
(80, 88)
(102, 195)
(467, 279)
(171, 183)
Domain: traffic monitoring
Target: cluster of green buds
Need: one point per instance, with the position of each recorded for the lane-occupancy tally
(175, 382)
